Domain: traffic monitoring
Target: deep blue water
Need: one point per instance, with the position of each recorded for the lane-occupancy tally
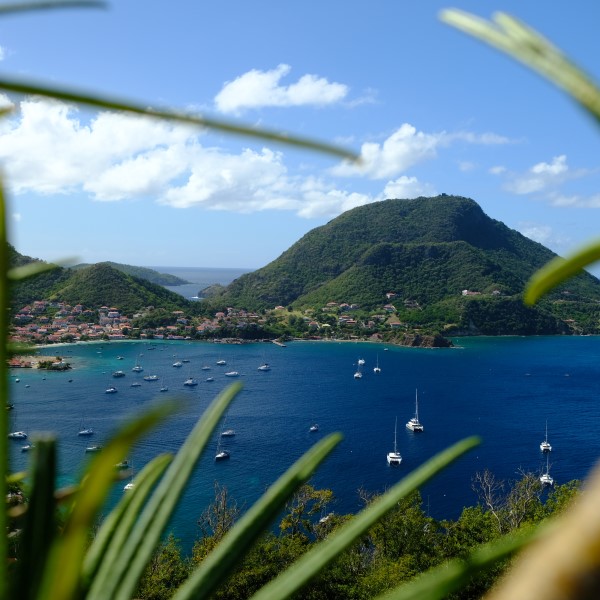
(503, 389)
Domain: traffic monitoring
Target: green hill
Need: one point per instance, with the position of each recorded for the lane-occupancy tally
(427, 251)
(102, 285)
(142, 273)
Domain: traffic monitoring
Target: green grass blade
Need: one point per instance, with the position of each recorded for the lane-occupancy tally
(4, 393)
(138, 550)
(311, 563)
(116, 527)
(39, 528)
(233, 547)
(440, 582)
(98, 101)
(59, 581)
(527, 46)
(558, 270)
(33, 269)
(18, 7)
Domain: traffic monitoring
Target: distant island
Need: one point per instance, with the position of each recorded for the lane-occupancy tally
(143, 273)
(409, 272)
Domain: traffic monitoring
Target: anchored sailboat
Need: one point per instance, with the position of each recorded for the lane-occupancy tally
(414, 424)
(394, 458)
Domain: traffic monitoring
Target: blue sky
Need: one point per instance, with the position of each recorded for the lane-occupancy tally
(430, 109)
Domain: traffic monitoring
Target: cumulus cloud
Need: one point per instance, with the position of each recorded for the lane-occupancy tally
(408, 187)
(405, 148)
(48, 149)
(256, 89)
(541, 176)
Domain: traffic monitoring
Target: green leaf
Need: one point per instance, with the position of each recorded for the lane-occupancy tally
(30, 270)
(117, 526)
(68, 549)
(133, 557)
(316, 559)
(49, 5)
(4, 390)
(40, 526)
(233, 547)
(98, 101)
(558, 270)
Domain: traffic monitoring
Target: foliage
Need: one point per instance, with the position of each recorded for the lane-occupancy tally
(427, 251)
(142, 273)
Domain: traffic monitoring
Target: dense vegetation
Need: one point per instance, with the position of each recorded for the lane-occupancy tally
(142, 273)
(425, 250)
(406, 542)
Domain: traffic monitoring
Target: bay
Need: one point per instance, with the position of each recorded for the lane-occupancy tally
(502, 389)
(199, 278)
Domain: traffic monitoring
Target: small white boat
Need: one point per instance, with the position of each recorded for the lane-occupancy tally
(222, 455)
(545, 478)
(361, 361)
(313, 428)
(178, 364)
(205, 368)
(228, 433)
(545, 445)
(185, 360)
(93, 449)
(86, 431)
(414, 424)
(27, 447)
(190, 382)
(376, 368)
(17, 435)
(119, 374)
(394, 458)
(128, 486)
(164, 388)
(111, 390)
(151, 378)
(232, 374)
(136, 384)
(221, 362)
(120, 357)
(358, 374)
(264, 367)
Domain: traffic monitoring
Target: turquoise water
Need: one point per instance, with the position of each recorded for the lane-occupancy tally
(503, 389)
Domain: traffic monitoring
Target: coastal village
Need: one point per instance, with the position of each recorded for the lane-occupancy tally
(47, 322)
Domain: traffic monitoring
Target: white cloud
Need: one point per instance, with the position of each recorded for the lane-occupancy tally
(256, 89)
(535, 232)
(497, 170)
(541, 176)
(465, 166)
(2, 53)
(405, 148)
(575, 201)
(408, 187)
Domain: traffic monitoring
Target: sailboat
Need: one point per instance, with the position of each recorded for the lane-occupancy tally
(227, 432)
(85, 431)
(376, 368)
(394, 458)
(221, 454)
(138, 368)
(414, 424)
(545, 478)
(545, 445)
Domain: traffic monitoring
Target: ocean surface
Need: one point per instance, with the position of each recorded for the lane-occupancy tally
(199, 278)
(503, 389)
